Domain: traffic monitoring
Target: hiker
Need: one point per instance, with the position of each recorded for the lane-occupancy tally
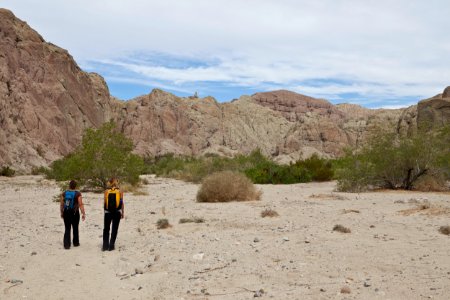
(71, 204)
(114, 211)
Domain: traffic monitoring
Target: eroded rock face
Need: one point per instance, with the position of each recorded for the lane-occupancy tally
(446, 93)
(46, 100)
(435, 111)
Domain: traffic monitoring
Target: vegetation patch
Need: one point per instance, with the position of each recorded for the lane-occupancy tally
(269, 213)
(341, 228)
(255, 166)
(191, 220)
(227, 186)
(103, 153)
(347, 211)
(163, 224)
(7, 171)
(397, 162)
(445, 230)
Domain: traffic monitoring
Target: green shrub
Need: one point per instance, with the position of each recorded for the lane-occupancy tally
(227, 186)
(39, 170)
(103, 153)
(7, 171)
(255, 166)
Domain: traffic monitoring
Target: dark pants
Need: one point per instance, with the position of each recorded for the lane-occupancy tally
(114, 217)
(71, 221)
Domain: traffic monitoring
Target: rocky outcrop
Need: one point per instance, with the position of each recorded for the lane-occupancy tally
(46, 100)
(435, 111)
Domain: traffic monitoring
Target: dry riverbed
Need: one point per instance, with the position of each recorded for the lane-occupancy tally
(394, 249)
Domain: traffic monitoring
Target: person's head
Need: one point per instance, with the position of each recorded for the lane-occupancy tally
(113, 182)
(72, 184)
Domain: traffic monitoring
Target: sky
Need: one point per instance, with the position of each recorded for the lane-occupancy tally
(381, 53)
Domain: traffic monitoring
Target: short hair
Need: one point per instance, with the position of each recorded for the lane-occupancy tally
(72, 184)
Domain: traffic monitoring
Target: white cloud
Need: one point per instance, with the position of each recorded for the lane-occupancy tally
(379, 48)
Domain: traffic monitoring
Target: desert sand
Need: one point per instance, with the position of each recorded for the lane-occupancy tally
(394, 250)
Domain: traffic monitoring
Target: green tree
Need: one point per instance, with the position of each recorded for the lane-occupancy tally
(394, 162)
(103, 153)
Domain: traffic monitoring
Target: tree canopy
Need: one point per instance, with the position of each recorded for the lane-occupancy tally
(103, 153)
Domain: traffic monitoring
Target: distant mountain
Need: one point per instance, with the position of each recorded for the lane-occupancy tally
(46, 101)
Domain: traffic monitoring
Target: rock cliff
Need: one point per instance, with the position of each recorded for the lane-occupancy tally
(46, 101)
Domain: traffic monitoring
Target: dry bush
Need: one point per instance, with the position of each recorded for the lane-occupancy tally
(345, 290)
(341, 228)
(445, 230)
(346, 211)
(269, 213)
(430, 183)
(163, 224)
(227, 186)
(191, 220)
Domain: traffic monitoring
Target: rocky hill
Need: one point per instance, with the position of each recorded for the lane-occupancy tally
(46, 101)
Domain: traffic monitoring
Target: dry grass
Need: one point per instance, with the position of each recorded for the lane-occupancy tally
(345, 290)
(269, 213)
(163, 224)
(227, 186)
(346, 211)
(445, 230)
(134, 189)
(191, 220)
(341, 228)
(430, 183)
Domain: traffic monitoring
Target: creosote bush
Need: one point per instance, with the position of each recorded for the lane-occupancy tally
(162, 224)
(227, 186)
(7, 171)
(255, 166)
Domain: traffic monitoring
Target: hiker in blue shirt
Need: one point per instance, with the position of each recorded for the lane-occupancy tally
(71, 204)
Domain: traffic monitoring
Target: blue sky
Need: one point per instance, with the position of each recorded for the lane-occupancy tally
(373, 53)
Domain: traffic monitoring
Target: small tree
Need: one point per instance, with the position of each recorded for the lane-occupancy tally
(393, 162)
(104, 153)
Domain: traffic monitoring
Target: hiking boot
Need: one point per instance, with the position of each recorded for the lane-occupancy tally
(76, 245)
(111, 248)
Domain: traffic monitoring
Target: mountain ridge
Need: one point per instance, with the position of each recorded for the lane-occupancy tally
(47, 101)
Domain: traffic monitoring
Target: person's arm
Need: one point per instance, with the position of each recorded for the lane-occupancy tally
(81, 206)
(61, 205)
(123, 205)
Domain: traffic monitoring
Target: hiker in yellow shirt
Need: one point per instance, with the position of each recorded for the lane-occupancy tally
(114, 211)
